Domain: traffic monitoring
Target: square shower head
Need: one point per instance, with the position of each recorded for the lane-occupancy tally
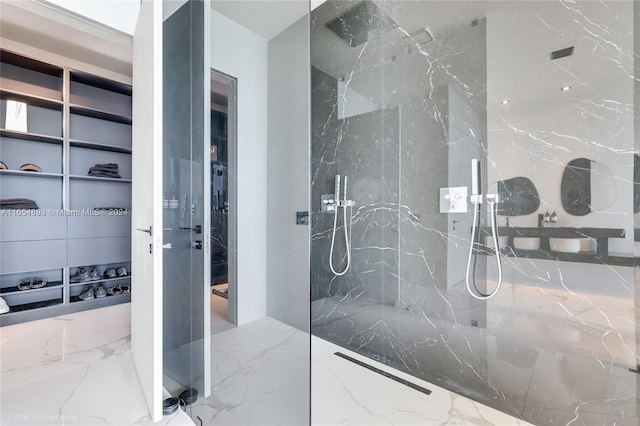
(358, 24)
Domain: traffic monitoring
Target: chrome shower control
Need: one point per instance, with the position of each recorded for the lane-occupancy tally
(453, 200)
(328, 203)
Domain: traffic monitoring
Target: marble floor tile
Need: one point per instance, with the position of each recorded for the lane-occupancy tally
(344, 393)
(74, 369)
(38, 349)
(260, 376)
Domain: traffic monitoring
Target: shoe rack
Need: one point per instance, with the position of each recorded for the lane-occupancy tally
(74, 121)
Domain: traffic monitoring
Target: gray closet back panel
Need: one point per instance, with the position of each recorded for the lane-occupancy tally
(24, 80)
(45, 191)
(15, 152)
(47, 294)
(104, 100)
(33, 228)
(82, 159)
(32, 255)
(91, 194)
(11, 280)
(40, 120)
(98, 251)
(100, 131)
(101, 226)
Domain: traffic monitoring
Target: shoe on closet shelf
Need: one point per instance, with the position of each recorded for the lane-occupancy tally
(29, 283)
(38, 282)
(87, 293)
(24, 284)
(110, 273)
(94, 275)
(30, 167)
(100, 291)
(4, 308)
(121, 271)
(81, 276)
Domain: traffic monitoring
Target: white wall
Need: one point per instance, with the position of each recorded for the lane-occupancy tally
(242, 54)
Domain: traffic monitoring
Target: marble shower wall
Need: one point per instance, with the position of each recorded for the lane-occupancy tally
(364, 148)
(402, 115)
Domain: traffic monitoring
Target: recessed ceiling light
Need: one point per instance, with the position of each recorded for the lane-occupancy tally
(566, 88)
(506, 101)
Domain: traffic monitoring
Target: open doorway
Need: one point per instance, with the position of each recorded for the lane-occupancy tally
(222, 186)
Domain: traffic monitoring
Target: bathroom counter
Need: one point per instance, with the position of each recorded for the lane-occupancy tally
(560, 232)
(600, 256)
(580, 257)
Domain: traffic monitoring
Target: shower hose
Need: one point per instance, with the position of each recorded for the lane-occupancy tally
(471, 278)
(347, 238)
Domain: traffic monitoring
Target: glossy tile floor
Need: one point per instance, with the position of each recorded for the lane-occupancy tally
(73, 369)
(77, 369)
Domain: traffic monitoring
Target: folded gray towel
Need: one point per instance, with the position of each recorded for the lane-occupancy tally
(18, 204)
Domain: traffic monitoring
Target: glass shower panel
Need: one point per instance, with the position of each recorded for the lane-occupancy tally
(405, 94)
(185, 94)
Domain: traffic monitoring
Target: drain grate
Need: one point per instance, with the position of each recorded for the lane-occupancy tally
(385, 374)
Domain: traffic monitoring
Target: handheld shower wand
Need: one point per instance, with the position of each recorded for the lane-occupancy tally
(476, 199)
(344, 203)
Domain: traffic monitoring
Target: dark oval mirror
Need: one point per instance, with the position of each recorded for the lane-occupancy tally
(586, 186)
(518, 197)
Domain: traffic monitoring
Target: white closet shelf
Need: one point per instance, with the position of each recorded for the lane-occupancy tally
(99, 146)
(30, 174)
(100, 114)
(99, 179)
(36, 137)
(30, 99)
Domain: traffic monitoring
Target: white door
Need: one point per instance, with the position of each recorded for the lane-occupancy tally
(146, 253)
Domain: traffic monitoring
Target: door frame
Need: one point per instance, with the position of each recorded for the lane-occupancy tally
(232, 185)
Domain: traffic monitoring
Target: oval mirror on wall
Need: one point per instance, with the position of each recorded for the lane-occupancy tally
(518, 196)
(586, 186)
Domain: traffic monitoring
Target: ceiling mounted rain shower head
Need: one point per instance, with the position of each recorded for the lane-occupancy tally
(358, 24)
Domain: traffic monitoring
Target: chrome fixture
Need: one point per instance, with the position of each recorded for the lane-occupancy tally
(331, 203)
(476, 199)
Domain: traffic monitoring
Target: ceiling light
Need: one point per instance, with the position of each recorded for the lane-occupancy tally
(566, 88)
(506, 101)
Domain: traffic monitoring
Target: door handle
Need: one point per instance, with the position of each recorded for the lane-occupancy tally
(167, 246)
(197, 229)
(197, 245)
(150, 230)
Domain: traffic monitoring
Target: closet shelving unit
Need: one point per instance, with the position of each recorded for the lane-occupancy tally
(74, 121)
